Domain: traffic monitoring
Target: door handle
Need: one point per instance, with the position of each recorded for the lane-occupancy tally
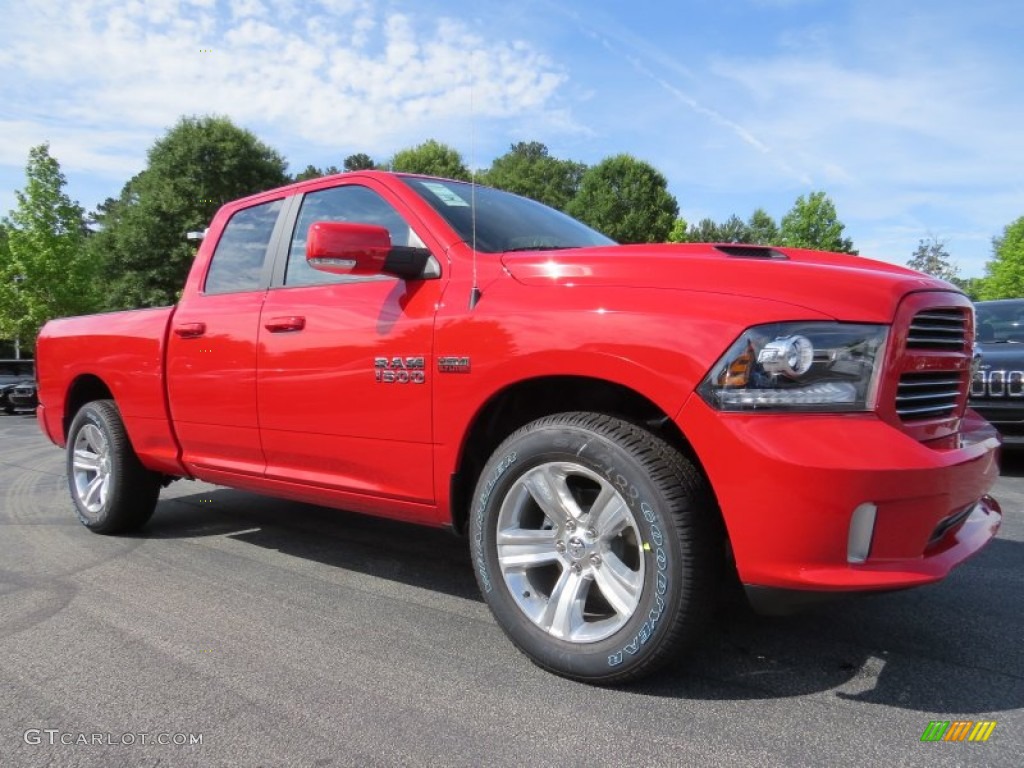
(285, 324)
(190, 330)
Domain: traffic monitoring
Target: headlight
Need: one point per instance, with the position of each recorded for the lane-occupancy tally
(805, 366)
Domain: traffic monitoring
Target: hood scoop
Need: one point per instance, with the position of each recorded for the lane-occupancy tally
(750, 252)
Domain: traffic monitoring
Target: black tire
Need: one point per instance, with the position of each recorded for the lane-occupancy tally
(618, 499)
(111, 491)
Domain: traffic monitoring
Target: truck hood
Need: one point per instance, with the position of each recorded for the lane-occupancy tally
(1005, 355)
(842, 286)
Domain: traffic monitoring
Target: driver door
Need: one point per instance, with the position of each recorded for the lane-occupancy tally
(344, 364)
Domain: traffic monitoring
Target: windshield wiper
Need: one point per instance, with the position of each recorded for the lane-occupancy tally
(541, 248)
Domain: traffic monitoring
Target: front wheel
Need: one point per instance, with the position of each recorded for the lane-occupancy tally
(594, 544)
(111, 490)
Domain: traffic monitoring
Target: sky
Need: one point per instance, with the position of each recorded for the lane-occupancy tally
(908, 114)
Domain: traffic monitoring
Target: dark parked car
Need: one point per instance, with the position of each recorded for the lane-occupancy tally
(12, 374)
(997, 391)
(23, 397)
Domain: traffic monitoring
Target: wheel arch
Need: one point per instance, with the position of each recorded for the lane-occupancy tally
(527, 400)
(85, 388)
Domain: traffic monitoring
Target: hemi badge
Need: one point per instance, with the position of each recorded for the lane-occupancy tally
(453, 364)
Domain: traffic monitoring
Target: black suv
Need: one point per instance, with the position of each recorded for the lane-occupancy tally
(997, 391)
(14, 373)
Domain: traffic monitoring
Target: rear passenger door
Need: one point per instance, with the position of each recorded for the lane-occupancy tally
(211, 361)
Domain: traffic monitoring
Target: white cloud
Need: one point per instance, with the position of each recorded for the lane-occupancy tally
(78, 148)
(348, 75)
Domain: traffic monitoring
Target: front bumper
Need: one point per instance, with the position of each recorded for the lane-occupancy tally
(1006, 415)
(788, 486)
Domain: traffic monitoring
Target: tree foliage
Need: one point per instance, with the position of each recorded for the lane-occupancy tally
(813, 223)
(527, 169)
(431, 158)
(626, 199)
(45, 271)
(759, 229)
(1005, 271)
(359, 162)
(678, 233)
(312, 172)
(734, 230)
(704, 231)
(201, 163)
(932, 258)
(762, 229)
(974, 287)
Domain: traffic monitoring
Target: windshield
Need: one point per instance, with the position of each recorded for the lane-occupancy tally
(504, 222)
(1000, 321)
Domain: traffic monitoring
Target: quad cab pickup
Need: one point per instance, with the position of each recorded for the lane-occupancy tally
(614, 428)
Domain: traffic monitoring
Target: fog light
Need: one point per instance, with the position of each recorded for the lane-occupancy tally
(862, 529)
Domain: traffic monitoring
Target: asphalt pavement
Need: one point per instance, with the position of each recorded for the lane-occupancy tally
(236, 630)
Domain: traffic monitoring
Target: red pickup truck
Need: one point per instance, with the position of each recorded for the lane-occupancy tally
(616, 429)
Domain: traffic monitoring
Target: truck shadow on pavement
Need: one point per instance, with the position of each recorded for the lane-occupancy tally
(950, 648)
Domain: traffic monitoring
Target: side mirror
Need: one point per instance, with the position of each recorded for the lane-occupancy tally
(344, 248)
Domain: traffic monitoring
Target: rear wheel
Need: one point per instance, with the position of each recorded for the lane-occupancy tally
(111, 490)
(594, 543)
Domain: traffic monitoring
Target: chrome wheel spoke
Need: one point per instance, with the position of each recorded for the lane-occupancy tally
(619, 585)
(526, 548)
(564, 612)
(86, 461)
(95, 492)
(609, 514)
(548, 488)
(91, 468)
(93, 438)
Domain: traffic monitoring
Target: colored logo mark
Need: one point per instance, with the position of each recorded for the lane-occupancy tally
(958, 730)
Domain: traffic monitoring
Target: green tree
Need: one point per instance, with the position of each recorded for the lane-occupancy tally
(45, 271)
(678, 233)
(932, 258)
(762, 229)
(1005, 271)
(359, 162)
(734, 230)
(626, 199)
(527, 169)
(431, 158)
(201, 163)
(974, 287)
(812, 223)
(705, 231)
(312, 172)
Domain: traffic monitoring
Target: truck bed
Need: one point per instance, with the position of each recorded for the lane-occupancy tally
(122, 352)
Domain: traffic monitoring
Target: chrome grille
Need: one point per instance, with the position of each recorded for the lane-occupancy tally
(939, 328)
(928, 395)
(997, 384)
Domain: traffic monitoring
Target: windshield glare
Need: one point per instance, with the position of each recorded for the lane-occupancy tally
(504, 222)
(1000, 321)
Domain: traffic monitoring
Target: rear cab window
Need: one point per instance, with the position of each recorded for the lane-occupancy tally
(238, 262)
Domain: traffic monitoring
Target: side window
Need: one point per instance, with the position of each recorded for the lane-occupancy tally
(238, 261)
(348, 203)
